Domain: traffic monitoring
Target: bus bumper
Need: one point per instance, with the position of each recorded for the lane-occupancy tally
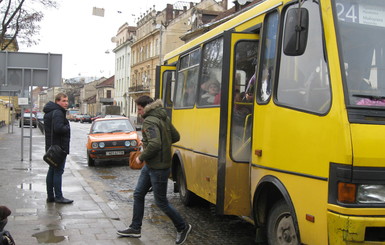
(344, 229)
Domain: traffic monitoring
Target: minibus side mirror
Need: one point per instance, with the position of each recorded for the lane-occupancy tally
(296, 31)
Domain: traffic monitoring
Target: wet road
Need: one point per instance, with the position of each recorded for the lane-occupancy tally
(115, 182)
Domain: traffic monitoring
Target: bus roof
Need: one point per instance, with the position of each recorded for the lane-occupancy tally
(239, 20)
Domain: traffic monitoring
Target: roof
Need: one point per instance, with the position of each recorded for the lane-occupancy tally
(107, 83)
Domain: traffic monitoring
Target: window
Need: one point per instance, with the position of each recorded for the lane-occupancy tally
(168, 87)
(270, 29)
(108, 93)
(304, 80)
(187, 80)
(246, 58)
(211, 77)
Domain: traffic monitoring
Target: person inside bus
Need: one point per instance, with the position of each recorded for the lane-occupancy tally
(212, 93)
(189, 95)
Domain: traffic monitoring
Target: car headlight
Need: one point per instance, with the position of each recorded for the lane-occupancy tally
(102, 145)
(127, 143)
(134, 143)
(371, 194)
(94, 145)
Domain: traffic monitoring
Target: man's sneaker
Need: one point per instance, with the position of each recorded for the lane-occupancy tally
(182, 235)
(129, 233)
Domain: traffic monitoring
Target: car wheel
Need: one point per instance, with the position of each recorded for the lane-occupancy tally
(280, 225)
(187, 197)
(91, 162)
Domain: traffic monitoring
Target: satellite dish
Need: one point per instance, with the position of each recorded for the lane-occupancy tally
(243, 2)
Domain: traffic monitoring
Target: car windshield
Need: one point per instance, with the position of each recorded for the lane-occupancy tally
(361, 25)
(111, 126)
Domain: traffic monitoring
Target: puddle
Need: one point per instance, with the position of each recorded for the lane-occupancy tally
(125, 191)
(48, 237)
(159, 219)
(22, 169)
(107, 177)
(32, 187)
(103, 171)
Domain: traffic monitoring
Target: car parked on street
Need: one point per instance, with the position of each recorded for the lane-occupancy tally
(78, 117)
(85, 118)
(27, 120)
(97, 117)
(111, 139)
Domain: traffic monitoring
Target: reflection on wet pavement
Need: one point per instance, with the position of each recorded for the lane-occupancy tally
(48, 237)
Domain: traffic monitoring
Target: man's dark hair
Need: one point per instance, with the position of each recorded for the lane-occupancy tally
(144, 100)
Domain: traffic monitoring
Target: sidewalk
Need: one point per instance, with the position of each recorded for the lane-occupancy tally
(88, 220)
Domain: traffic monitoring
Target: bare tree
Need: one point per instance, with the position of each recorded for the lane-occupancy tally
(21, 21)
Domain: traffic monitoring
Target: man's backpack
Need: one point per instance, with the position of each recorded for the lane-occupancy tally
(6, 238)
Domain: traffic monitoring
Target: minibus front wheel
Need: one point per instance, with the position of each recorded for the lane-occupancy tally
(280, 225)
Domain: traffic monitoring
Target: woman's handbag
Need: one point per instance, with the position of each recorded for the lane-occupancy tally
(133, 163)
(55, 155)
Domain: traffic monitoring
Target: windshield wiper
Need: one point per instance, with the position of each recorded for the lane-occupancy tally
(117, 130)
(97, 132)
(368, 96)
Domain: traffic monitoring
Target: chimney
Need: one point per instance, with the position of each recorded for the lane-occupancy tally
(169, 12)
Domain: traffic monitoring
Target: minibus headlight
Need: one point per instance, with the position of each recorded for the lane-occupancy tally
(134, 143)
(371, 194)
(94, 145)
(102, 145)
(127, 143)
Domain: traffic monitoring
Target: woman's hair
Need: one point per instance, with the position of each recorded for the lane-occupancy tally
(144, 100)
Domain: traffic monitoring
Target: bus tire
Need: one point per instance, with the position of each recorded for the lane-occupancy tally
(186, 196)
(90, 161)
(280, 225)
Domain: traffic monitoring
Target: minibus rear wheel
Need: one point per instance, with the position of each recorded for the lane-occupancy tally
(186, 196)
(280, 225)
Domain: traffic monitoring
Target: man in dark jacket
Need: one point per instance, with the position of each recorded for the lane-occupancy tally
(158, 134)
(57, 132)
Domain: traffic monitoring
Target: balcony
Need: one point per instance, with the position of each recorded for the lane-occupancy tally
(106, 100)
(139, 88)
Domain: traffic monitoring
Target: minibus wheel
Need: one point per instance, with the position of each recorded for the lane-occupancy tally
(185, 195)
(280, 225)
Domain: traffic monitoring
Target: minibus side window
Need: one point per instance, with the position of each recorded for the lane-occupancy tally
(211, 77)
(187, 80)
(304, 80)
(268, 51)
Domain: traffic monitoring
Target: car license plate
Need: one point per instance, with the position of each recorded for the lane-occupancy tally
(114, 153)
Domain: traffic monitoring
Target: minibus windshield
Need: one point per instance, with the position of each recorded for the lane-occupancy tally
(361, 31)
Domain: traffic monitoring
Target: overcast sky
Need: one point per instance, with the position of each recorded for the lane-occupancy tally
(82, 38)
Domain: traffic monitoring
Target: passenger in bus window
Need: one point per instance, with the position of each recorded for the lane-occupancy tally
(189, 95)
(211, 94)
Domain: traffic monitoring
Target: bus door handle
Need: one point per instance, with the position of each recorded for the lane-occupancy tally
(258, 152)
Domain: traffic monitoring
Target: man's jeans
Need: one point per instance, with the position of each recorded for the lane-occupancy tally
(54, 181)
(158, 180)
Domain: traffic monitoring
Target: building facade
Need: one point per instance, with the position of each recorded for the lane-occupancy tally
(159, 32)
(123, 40)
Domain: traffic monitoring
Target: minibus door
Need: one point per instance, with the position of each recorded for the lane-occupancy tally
(240, 60)
(164, 86)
